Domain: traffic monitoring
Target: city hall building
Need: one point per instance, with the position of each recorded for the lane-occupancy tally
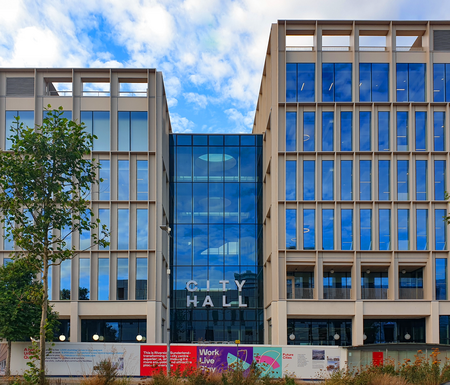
(322, 227)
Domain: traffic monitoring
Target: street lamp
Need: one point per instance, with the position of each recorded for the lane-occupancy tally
(167, 229)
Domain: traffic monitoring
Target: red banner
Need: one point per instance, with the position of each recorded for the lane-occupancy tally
(377, 358)
(154, 359)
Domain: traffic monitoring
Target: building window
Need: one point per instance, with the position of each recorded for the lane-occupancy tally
(403, 229)
(141, 278)
(309, 229)
(439, 131)
(309, 128)
(384, 180)
(402, 131)
(383, 130)
(439, 179)
(365, 119)
(421, 131)
(336, 82)
(384, 229)
(291, 180)
(65, 282)
(97, 123)
(410, 284)
(84, 286)
(141, 229)
(142, 180)
(365, 179)
(346, 180)
(328, 229)
(123, 229)
(123, 180)
(25, 117)
(309, 178)
(122, 330)
(410, 82)
(132, 130)
(291, 131)
(300, 285)
(8, 243)
(104, 185)
(441, 279)
(346, 130)
(347, 229)
(122, 278)
(327, 180)
(440, 226)
(327, 131)
(337, 285)
(402, 180)
(103, 279)
(319, 332)
(421, 180)
(291, 229)
(50, 283)
(441, 82)
(422, 229)
(394, 331)
(300, 82)
(366, 229)
(103, 215)
(374, 285)
(373, 82)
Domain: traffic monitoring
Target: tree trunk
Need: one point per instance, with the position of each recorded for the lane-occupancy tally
(43, 322)
(8, 360)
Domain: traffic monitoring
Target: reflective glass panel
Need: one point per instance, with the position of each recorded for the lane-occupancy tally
(422, 229)
(8, 243)
(403, 229)
(65, 283)
(291, 180)
(291, 82)
(309, 127)
(103, 279)
(328, 82)
(104, 186)
(421, 131)
(385, 229)
(346, 130)
(343, 82)
(291, 229)
(84, 286)
(402, 131)
(365, 118)
(97, 123)
(184, 164)
(291, 131)
(306, 82)
(365, 179)
(402, 180)
(441, 279)
(416, 74)
(380, 82)
(347, 229)
(440, 228)
(141, 180)
(402, 82)
(123, 229)
(309, 177)
(439, 82)
(365, 83)
(123, 190)
(384, 180)
(439, 131)
(123, 129)
(25, 117)
(103, 215)
(309, 229)
(327, 131)
(421, 180)
(346, 180)
(366, 229)
(383, 130)
(141, 278)
(141, 229)
(439, 179)
(122, 278)
(139, 131)
(328, 229)
(327, 180)
(85, 236)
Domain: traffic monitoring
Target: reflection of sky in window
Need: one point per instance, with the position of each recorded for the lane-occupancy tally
(26, 117)
(327, 229)
(402, 131)
(421, 180)
(85, 275)
(327, 179)
(346, 130)
(309, 178)
(66, 275)
(327, 131)
(402, 180)
(104, 186)
(365, 179)
(142, 180)
(384, 180)
(422, 229)
(347, 229)
(103, 215)
(440, 229)
(309, 128)
(142, 229)
(366, 229)
(123, 229)
(441, 279)
(291, 179)
(50, 281)
(439, 179)
(439, 129)
(383, 130)
(385, 229)
(124, 180)
(309, 229)
(365, 118)
(346, 180)
(122, 268)
(403, 229)
(291, 131)
(421, 133)
(291, 229)
(103, 279)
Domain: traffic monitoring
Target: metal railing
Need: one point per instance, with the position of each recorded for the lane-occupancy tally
(410, 293)
(96, 93)
(299, 48)
(336, 293)
(335, 48)
(372, 48)
(407, 48)
(60, 93)
(374, 293)
(135, 94)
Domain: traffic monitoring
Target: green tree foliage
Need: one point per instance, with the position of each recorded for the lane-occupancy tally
(46, 178)
(20, 305)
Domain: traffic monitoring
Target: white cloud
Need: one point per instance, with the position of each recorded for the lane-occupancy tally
(200, 100)
(181, 124)
(242, 122)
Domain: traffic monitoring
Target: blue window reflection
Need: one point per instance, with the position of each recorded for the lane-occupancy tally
(291, 131)
(422, 229)
(383, 130)
(384, 180)
(309, 177)
(421, 180)
(346, 180)
(123, 229)
(123, 180)
(384, 229)
(347, 229)
(122, 279)
(410, 82)
(309, 127)
(441, 82)
(291, 229)
(25, 117)
(402, 131)
(104, 185)
(336, 82)
(132, 131)
(309, 229)
(365, 179)
(346, 130)
(291, 180)
(441, 279)
(402, 180)
(327, 131)
(97, 123)
(440, 229)
(66, 281)
(366, 229)
(328, 229)
(103, 215)
(403, 229)
(327, 180)
(141, 229)
(374, 285)
(141, 278)
(439, 130)
(337, 285)
(103, 279)
(142, 180)
(300, 82)
(439, 179)
(373, 82)
(291, 82)
(421, 131)
(84, 284)
(365, 119)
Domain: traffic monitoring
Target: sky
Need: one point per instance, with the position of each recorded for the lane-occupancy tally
(211, 52)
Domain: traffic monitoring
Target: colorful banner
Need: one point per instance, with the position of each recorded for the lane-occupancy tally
(154, 359)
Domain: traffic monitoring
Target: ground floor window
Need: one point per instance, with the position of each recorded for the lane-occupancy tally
(319, 332)
(124, 330)
(381, 331)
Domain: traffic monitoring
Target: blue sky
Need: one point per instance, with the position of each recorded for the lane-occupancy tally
(211, 52)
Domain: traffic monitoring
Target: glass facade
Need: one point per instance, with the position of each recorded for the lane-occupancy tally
(300, 82)
(383, 331)
(441, 82)
(336, 82)
(26, 117)
(410, 82)
(373, 82)
(319, 332)
(217, 242)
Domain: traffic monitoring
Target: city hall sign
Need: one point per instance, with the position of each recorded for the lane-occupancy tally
(192, 286)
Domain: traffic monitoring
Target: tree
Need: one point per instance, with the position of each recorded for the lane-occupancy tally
(44, 189)
(20, 308)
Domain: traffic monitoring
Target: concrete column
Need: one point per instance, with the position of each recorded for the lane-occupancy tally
(432, 324)
(358, 324)
(75, 324)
